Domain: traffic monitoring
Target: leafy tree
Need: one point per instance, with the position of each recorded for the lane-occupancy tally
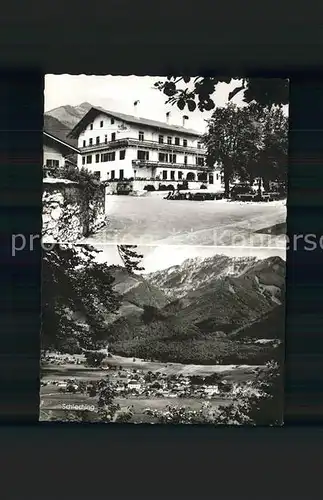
(271, 161)
(199, 92)
(248, 143)
(77, 293)
(94, 359)
(232, 140)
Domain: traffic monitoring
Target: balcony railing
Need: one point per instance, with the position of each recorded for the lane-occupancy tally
(120, 143)
(160, 164)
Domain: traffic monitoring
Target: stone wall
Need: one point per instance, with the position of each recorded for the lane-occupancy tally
(67, 215)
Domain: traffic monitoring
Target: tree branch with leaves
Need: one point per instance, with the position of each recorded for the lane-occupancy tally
(199, 92)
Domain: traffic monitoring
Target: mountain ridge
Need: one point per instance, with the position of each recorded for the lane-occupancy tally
(210, 319)
(61, 120)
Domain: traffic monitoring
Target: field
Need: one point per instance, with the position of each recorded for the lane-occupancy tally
(53, 400)
(153, 220)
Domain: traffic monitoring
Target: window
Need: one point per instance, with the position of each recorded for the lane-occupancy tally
(169, 140)
(185, 160)
(142, 155)
(108, 157)
(113, 136)
(91, 126)
(217, 177)
(90, 142)
(134, 173)
(113, 174)
(180, 176)
(211, 178)
(52, 163)
(84, 144)
(172, 158)
(98, 140)
(89, 159)
(164, 175)
(161, 139)
(172, 175)
(163, 157)
(200, 161)
(97, 158)
(122, 155)
(101, 123)
(105, 139)
(83, 160)
(185, 142)
(176, 141)
(121, 174)
(141, 136)
(112, 121)
(199, 145)
(97, 174)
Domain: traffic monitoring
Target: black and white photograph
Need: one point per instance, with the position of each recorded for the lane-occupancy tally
(164, 231)
(127, 337)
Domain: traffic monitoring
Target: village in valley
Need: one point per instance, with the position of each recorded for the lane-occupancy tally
(140, 389)
(153, 310)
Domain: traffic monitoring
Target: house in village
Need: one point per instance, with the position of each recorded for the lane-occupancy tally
(57, 152)
(116, 146)
(134, 385)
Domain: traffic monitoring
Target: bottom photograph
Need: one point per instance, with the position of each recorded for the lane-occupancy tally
(162, 335)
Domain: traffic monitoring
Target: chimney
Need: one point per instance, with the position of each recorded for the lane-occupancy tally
(135, 107)
(185, 117)
(167, 116)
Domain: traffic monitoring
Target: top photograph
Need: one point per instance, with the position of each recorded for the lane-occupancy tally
(165, 161)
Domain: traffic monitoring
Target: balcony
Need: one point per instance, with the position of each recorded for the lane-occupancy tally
(160, 164)
(129, 142)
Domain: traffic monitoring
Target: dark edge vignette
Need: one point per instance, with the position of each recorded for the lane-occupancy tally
(159, 449)
(21, 104)
(225, 454)
(303, 368)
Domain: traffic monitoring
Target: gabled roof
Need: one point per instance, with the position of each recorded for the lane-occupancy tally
(62, 143)
(93, 112)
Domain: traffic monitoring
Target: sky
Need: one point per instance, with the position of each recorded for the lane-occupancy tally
(118, 93)
(162, 257)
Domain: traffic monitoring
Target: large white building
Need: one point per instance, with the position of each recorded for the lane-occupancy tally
(118, 146)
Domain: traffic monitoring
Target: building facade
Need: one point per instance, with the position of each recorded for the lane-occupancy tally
(56, 152)
(115, 146)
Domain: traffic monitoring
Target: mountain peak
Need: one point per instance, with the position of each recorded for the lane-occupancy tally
(70, 115)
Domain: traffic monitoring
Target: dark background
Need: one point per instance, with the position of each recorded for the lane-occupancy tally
(142, 37)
